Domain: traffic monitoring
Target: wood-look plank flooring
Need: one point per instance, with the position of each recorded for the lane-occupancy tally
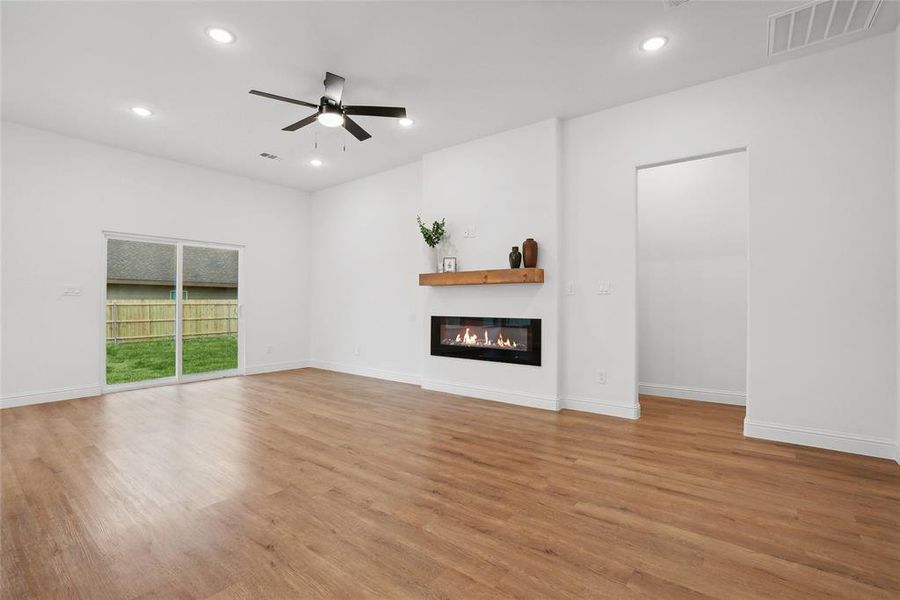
(311, 484)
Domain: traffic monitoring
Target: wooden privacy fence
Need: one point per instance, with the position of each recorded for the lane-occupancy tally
(142, 320)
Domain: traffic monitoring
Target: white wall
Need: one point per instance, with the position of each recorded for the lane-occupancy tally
(59, 194)
(364, 290)
(897, 180)
(507, 187)
(692, 279)
(822, 259)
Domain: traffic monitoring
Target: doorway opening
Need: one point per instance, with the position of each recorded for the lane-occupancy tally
(692, 275)
(171, 311)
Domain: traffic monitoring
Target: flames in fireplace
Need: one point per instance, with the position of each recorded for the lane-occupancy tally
(485, 337)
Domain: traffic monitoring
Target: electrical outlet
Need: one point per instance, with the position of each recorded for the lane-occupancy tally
(268, 349)
(570, 288)
(601, 377)
(603, 287)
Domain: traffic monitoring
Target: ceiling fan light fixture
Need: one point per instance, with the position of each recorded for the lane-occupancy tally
(655, 43)
(222, 36)
(330, 118)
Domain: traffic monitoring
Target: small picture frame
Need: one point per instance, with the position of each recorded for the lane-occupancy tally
(449, 264)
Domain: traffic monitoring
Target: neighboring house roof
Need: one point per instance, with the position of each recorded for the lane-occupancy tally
(148, 263)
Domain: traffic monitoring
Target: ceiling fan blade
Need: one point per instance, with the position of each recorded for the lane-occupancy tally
(301, 123)
(395, 112)
(354, 128)
(334, 87)
(283, 99)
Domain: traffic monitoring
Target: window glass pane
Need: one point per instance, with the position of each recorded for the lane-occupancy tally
(140, 314)
(210, 319)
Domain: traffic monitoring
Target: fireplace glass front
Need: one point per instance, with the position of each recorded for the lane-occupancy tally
(497, 339)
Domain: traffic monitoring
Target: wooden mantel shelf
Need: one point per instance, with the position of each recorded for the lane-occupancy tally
(488, 277)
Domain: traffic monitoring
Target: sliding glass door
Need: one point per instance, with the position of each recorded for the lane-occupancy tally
(171, 311)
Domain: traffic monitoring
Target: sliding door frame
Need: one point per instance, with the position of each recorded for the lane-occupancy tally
(179, 376)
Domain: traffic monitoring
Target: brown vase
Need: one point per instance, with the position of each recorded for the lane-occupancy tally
(529, 253)
(515, 258)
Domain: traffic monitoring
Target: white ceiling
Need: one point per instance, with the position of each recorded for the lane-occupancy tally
(463, 70)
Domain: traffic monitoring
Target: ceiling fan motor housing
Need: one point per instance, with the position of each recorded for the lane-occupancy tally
(326, 104)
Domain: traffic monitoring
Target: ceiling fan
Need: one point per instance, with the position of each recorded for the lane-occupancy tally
(331, 113)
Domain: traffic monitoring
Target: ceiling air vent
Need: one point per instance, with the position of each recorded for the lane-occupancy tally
(818, 21)
(674, 3)
(269, 156)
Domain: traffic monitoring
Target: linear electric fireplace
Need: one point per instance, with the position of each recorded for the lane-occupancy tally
(496, 339)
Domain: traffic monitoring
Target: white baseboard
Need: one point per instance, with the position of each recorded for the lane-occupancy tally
(71, 393)
(688, 393)
(397, 376)
(485, 393)
(592, 405)
(272, 367)
(821, 438)
(55, 395)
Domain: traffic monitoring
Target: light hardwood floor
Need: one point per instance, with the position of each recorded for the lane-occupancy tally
(310, 484)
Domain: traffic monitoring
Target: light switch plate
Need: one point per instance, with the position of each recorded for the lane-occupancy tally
(570, 288)
(603, 287)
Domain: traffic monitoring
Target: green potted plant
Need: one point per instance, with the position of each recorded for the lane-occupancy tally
(432, 235)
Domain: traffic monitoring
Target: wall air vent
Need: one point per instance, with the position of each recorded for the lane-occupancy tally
(819, 21)
(674, 3)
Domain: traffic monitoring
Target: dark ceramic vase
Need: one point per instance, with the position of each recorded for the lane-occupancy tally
(530, 253)
(515, 258)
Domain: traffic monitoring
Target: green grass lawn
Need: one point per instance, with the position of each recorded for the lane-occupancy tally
(136, 361)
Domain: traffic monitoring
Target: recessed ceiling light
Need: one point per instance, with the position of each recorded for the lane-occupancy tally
(141, 111)
(223, 36)
(655, 43)
(315, 162)
(404, 122)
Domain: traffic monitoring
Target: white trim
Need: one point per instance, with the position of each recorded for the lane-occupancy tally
(137, 385)
(675, 161)
(689, 393)
(179, 311)
(55, 395)
(208, 375)
(495, 395)
(163, 239)
(820, 438)
(600, 407)
(272, 367)
(385, 374)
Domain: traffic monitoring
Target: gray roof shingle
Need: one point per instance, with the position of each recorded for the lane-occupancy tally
(146, 261)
